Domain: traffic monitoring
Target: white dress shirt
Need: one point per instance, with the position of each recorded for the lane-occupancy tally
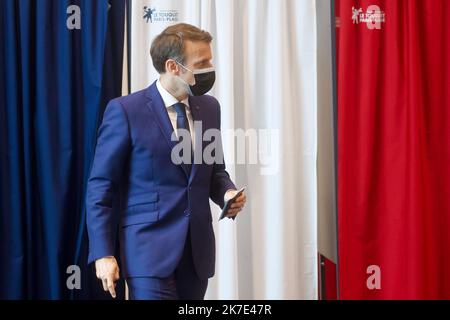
(169, 101)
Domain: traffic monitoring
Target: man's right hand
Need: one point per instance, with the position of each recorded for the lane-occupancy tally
(107, 270)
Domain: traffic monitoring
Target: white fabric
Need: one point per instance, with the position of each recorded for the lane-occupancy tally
(265, 58)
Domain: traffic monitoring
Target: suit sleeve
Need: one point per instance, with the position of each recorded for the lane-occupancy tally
(112, 149)
(220, 179)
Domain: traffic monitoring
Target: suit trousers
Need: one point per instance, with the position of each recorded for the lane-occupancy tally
(183, 284)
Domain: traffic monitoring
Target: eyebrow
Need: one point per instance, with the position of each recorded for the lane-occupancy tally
(202, 61)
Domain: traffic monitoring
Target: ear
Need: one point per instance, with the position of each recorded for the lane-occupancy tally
(172, 67)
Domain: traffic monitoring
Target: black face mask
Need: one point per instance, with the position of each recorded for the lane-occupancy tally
(204, 81)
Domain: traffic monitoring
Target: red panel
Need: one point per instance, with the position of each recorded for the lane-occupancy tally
(394, 149)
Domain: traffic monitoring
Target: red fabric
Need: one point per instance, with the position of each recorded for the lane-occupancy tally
(394, 150)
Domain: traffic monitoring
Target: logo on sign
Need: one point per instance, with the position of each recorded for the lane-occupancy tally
(373, 17)
(151, 15)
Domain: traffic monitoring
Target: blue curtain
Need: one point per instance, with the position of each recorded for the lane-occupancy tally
(54, 85)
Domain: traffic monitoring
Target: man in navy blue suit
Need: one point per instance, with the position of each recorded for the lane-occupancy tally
(165, 231)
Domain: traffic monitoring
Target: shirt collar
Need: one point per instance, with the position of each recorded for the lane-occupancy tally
(168, 99)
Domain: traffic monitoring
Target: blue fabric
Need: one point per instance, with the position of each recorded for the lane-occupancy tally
(146, 288)
(182, 120)
(52, 93)
(159, 201)
(183, 284)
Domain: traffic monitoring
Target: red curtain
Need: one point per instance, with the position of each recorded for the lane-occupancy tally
(394, 148)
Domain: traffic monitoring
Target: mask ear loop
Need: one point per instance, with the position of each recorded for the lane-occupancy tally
(193, 74)
(186, 68)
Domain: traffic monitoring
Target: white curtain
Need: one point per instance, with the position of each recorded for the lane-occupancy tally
(265, 53)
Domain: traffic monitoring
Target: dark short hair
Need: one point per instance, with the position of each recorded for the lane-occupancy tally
(170, 44)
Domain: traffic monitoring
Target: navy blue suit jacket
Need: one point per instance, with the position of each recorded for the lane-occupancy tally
(157, 200)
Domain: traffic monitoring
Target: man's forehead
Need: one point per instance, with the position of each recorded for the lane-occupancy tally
(198, 49)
